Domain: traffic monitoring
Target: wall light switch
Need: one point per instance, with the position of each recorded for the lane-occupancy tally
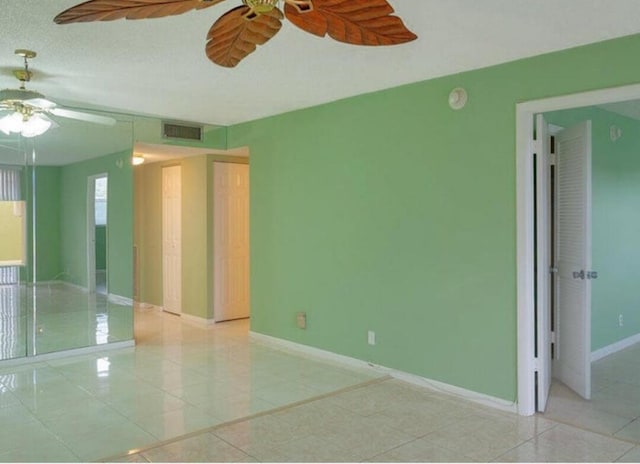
(301, 320)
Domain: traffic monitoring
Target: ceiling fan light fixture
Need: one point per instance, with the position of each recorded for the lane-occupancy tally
(11, 123)
(30, 126)
(36, 125)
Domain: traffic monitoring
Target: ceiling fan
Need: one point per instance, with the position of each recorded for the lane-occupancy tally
(238, 32)
(29, 110)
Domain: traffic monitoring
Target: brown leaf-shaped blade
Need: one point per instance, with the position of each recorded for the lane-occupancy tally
(108, 10)
(358, 22)
(237, 33)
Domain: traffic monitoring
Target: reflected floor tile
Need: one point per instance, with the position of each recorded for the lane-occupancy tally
(568, 444)
(141, 404)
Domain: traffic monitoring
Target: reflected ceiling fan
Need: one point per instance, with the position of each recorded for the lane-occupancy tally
(29, 110)
(238, 32)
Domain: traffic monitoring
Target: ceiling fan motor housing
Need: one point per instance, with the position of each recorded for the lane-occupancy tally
(261, 6)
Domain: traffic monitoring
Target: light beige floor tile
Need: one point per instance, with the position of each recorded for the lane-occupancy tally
(201, 448)
(232, 408)
(365, 437)
(630, 432)
(134, 457)
(266, 429)
(307, 449)
(568, 444)
(485, 437)
(632, 455)
(421, 450)
(177, 422)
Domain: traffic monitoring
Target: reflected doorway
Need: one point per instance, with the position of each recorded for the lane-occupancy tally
(97, 233)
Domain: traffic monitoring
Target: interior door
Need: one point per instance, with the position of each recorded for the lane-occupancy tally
(572, 366)
(543, 259)
(172, 239)
(231, 241)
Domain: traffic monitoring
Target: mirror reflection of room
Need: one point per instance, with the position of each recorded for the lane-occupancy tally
(65, 280)
(13, 339)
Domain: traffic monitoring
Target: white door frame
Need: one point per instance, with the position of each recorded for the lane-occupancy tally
(91, 230)
(525, 147)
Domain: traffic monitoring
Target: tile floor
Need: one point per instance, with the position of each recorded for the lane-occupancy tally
(387, 420)
(64, 318)
(188, 393)
(615, 405)
(180, 378)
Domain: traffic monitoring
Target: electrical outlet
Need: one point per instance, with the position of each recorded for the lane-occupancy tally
(620, 321)
(371, 337)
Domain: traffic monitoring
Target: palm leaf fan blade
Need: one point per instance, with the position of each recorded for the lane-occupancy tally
(357, 22)
(109, 10)
(237, 33)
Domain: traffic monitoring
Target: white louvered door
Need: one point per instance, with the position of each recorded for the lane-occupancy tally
(572, 365)
(543, 235)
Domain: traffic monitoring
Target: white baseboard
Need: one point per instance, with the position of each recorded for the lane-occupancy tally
(441, 387)
(68, 353)
(614, 347)
(61, 282)
(119, 299)
(200, 321)
(142, 306)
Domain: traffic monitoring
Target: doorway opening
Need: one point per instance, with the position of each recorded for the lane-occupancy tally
(97, 233)
(535, 289)
(172, 239)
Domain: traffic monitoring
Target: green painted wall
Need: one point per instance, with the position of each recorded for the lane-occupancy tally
(390, 212)
(101, 247)
(47, 195)
(615, 223)
(73, 211)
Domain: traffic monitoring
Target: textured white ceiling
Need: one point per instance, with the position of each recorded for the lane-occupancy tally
(158, 67)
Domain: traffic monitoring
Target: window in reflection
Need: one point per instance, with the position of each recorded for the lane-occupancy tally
(12, 255)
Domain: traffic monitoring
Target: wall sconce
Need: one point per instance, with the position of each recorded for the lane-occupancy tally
(137, 160)
(458, 98)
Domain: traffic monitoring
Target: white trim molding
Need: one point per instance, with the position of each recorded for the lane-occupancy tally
(435, 385)
(88, 350)
(120, 300)
(614, 347)
(525, 113)
(197, 320)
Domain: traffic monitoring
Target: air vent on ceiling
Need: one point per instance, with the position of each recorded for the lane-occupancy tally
(173, 130)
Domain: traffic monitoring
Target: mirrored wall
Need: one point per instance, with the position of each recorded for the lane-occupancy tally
(66, 246)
